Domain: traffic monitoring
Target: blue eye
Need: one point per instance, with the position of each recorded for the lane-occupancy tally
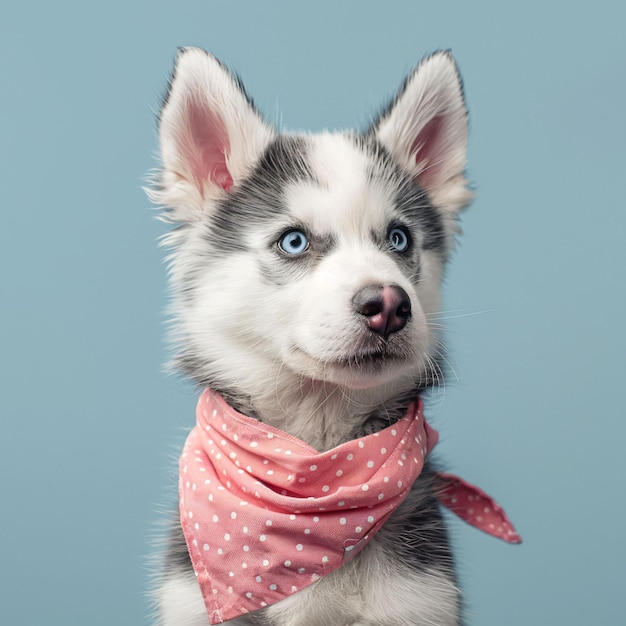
(399, 239)
(293, 242)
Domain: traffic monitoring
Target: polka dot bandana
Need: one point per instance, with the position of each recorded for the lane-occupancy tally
(265, 515)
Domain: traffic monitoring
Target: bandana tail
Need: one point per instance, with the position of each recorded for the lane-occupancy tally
(476, 507)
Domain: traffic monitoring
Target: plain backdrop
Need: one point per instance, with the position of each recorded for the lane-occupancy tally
(534, 300)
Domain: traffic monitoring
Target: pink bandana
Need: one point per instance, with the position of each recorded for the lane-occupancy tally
(265, 515)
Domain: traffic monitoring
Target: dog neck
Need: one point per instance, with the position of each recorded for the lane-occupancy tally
(322, 414)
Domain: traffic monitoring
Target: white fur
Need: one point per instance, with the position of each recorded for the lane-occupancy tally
(180, 602)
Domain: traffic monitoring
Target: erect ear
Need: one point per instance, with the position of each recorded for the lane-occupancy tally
(425, 129)
(210, 134)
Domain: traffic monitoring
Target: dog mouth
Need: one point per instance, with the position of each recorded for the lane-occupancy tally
(374, 359)
(358, 366)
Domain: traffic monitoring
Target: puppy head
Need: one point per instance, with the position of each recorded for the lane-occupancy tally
(318, 257)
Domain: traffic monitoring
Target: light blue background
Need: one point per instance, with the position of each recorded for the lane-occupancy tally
(90, 426)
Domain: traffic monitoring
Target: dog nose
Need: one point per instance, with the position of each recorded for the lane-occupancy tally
(387, 308)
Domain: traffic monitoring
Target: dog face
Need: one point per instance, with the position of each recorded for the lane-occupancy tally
(314, 257)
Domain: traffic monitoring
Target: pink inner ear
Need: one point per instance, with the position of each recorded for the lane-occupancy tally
(205, 146)
(429, 152)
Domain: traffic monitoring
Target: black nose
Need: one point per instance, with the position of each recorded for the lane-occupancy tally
(386, 308)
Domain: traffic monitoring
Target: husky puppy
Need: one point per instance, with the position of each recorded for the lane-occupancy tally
(306, 272)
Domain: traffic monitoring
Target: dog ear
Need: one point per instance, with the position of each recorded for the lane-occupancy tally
(425, 129)
(210, 135)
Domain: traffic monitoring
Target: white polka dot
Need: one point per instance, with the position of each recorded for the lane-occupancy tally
(248, 595)
(254, 444)
(370, 519)
(233, 515)
(190, 513)
(350, 457)
(273, 587)
(365, 487)
(394, 432)
(258, 579)
(358, 529)
(399, 483)
(227, 537)
(205, 547)
(216, 519)
(325, 488)
(299, 547)
(293, 588)
(361, 444)
(341, 503)
(265, 563)
(268, 522)
(232, 455)
(313, 468)
(324, 559)
(342, 521)
(339, 473)
(333, 457)
(307, 531)
(287, 563)
(301, 570)
(292, 517)
(383, 450)
(231, 574)
(381, 496)
(245, 529)
(302, 479)
(270, 472)
(370, 464)
(246, 548)
(262, 538)
(220, 551)
(270, 435)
